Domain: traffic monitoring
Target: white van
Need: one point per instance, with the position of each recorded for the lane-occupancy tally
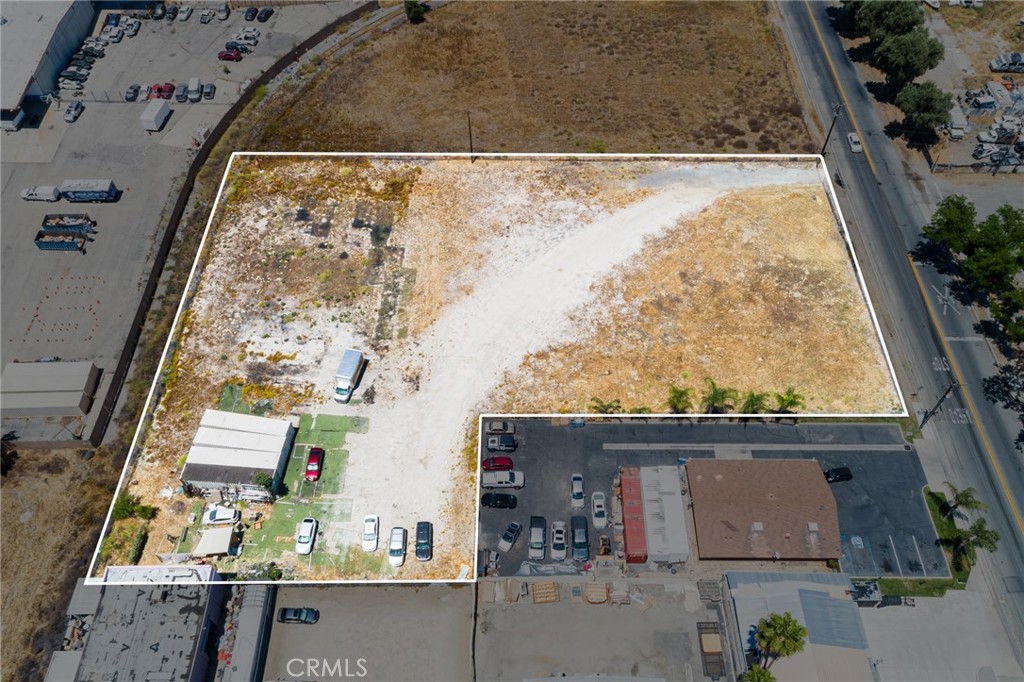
(41, 193)
(195, 90)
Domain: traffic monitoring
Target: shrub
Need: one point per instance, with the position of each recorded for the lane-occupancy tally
(138, 545)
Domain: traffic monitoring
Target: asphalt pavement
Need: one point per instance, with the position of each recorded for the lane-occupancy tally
(932, 337)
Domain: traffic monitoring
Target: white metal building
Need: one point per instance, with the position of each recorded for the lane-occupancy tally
(664, 515)
(229, 449)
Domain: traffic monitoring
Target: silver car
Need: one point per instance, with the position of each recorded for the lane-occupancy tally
(304, 538)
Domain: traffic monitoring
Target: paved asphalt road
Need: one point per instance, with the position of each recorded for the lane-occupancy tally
(970, 439)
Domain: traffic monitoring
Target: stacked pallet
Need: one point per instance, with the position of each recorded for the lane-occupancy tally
(545, 593)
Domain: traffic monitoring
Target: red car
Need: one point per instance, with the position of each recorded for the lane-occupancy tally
(314, 464)
(229, 56)
(497, 464)
(166, 90)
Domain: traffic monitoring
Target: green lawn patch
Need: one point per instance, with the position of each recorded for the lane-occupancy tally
(231, 399)
(919, 587)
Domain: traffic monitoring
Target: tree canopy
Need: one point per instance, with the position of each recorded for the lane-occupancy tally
(881, 19)
(779, 635)
(924, 105)
(905, 56)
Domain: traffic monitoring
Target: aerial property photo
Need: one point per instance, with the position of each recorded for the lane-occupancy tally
(352, 316)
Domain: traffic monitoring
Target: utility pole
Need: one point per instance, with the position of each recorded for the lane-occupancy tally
(932, 412)
(835, 115)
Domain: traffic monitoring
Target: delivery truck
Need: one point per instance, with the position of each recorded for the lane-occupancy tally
(347, 374)
(155, 115)
(89, 190)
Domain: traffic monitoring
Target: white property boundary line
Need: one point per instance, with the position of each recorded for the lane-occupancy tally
(191, 284)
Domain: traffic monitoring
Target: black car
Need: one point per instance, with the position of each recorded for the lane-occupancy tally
(424, 541)
(499, 500)
(172, 13)
(838, 474)
(209, 90)
(237, 46)
(92, 51)
(289, 615)
(501, 443)
(79, 64)
(250, 13)
(265, 14)
(83, 57)
(132, 93)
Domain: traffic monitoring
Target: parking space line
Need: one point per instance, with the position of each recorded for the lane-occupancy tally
(840, 447)
(919, 559)
(896, 555)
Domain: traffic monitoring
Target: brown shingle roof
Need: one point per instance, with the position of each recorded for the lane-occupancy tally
(784, 496)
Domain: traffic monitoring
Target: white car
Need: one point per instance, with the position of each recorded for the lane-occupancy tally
(185, 12)
(854, 140)
(559, 549)
(132, 26)
(304, 538)
(248, 31)
(248, 41)
(215, 515)
(396, 547)
(370, 525)
(599, 510)
(96, 42)
(67, 84)
(509, 537)
(112, 33)
(73, 111)
(576, 494)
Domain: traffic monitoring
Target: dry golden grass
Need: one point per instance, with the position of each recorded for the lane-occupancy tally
(563, 76)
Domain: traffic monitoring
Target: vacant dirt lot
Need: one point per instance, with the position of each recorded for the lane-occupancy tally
(557, 274)
(560, 76)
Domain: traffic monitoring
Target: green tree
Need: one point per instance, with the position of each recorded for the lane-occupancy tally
(961, 499)
(881, 19)
(758, 674)
(680, 400)
(906, 56)
(639, 410)
(786, 402)
(952, 222)
(778, 636)
(925, 106)
(966, 541)
(717, 399)
(601, 407)
(264, 480)
(754, 403)
(415, 11)
(995, 251)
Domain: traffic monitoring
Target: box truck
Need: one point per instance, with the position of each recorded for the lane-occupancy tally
(89, 190)
(347, 374)
(155, 115)
(194, 91)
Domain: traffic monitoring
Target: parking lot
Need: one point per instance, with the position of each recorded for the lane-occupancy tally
(79, 307)
(398, 632)
(655, 636)
(884, 523)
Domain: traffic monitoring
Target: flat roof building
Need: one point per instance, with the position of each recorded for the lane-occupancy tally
(229, 449)
(48, 389)
(763, 509)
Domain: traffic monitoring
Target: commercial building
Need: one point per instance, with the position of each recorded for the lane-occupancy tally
(37, 39)
(653, 515)
(48, 389)
(836, 645)
(763, 509)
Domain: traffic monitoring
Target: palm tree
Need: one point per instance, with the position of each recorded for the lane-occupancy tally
(717, 399)
(758, 674)
(601, 407)
(753, 403)
(788, 401)
(966, 542)
(779, 635)
(960, 500)
(680, 400)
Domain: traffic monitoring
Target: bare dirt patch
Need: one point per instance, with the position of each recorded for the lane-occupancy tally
(984, 32)
(458, 273)
(558, 76)
(756, 292)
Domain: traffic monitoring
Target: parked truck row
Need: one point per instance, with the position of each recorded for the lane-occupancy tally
(96, 191)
